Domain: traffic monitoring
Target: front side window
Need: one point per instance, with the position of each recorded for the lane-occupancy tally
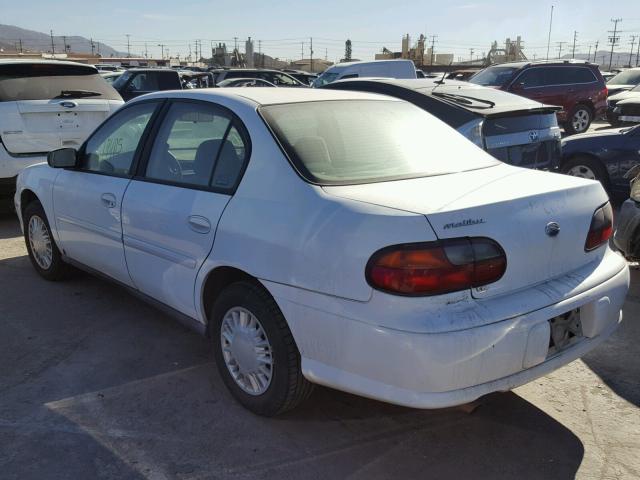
(144, 82)
(112, 148)
(325, 78)
(365, 141)
(280, 79)
(532, 78)
(197, 145)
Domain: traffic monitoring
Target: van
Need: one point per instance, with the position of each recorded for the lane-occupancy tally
(377, 68)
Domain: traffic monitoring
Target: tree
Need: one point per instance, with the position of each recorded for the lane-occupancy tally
(347, 51)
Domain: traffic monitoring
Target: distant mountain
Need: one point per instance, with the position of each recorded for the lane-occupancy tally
(32, 41)
(619, 59)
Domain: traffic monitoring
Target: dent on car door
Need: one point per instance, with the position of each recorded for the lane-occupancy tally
(87, 200)
(171, 209)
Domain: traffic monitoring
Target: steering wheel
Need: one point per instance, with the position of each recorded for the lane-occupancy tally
(173, 166)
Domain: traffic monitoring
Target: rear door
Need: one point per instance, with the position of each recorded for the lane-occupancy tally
(45, 106)
(172, 207)
(87, 200)
(141, 83)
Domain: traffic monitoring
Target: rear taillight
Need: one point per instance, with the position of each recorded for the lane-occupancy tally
(601, 227)
(433, 268)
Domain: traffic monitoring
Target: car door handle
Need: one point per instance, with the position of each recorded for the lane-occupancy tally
(199, 224)
(108, 200)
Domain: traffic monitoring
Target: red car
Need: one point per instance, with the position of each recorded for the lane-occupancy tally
(578, 87)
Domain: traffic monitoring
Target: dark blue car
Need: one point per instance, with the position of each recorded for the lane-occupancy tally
(604, 155)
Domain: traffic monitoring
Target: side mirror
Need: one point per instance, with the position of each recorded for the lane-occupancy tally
(62, 158)
(516, 87)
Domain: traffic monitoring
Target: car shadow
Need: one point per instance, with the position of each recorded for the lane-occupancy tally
(94, 382)
(616, 360)
(9, 226)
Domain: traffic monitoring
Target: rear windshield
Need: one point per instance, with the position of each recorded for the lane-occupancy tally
(628, 77)
(47, 81)
(493, 76)
(366, 141)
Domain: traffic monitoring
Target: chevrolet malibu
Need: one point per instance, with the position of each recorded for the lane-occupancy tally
(328, 237)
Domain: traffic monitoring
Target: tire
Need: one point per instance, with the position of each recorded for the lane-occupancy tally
(286, 388)
(579, 119)
(49, 266)
(586, 167)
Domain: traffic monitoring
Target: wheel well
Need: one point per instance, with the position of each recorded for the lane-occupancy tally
(26, 197)
(217, 280)
(589, 105)
(589, 156)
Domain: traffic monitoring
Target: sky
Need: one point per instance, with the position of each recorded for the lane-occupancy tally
(283, 26)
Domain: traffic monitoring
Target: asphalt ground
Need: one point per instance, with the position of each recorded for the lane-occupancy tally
(95, 384)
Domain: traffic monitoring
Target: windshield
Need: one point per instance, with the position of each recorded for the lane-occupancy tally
(326, 77)
(493, 76)
(628, 77)
(45, 81)
(366, 141)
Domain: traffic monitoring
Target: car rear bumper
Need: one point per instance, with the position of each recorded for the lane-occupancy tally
(11, 165)
(435, 370)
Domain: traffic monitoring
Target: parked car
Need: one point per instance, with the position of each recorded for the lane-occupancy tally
(140, 81)
(513, 129)
(110, 77)
(376, 68)
(462, 74)
(607, 75)
(245, 82)
(578, 87)
(107, 67)
(303, 77)
(46, 105)
(624, 81)
(628, 101)
(279, 79)
(605, 155)
(627, 235)
(341, 238)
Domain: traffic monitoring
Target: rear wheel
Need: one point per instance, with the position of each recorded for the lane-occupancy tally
(579, 120)
(586, 167)
(255, 352)
(43, 252)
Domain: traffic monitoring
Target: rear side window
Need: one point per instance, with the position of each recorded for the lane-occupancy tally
(533, 77)
(45, 81)
(569, 75)
(197, 145)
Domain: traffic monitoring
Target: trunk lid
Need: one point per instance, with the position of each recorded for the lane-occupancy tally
(510, 205)
(35, 126)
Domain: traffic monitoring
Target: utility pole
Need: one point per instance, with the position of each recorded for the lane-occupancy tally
(573, 51)
(589, 55)
(161, 45)
(93, 47)
(146, 50)
(311, 57)
(64, 43)
(638, 54)
(128, 46)
(471, 52)
(53, 47)
(301, 50)
(595, 52)
(613, 39)
(235, 43)
(633, 43)
(560, 44)
(433, 44)
(20, 40)
(549, 37)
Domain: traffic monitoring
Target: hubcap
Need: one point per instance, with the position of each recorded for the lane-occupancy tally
(40, 242)
(580, 120)
(582, 171)
(246, 351)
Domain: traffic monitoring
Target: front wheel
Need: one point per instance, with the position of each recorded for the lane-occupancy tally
(41, 247)
(255, 351)
(579, 120)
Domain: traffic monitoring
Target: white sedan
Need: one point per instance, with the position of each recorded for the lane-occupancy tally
(339, 238)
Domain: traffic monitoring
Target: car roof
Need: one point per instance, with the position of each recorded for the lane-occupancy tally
(543, 62)
(268, 96)
(360, 62)
(21, 61)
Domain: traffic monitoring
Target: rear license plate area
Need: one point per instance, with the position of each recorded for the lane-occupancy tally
(68, 120)
(565, 331)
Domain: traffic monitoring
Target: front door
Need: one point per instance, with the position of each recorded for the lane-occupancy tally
(87, 201)
(172, 207)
